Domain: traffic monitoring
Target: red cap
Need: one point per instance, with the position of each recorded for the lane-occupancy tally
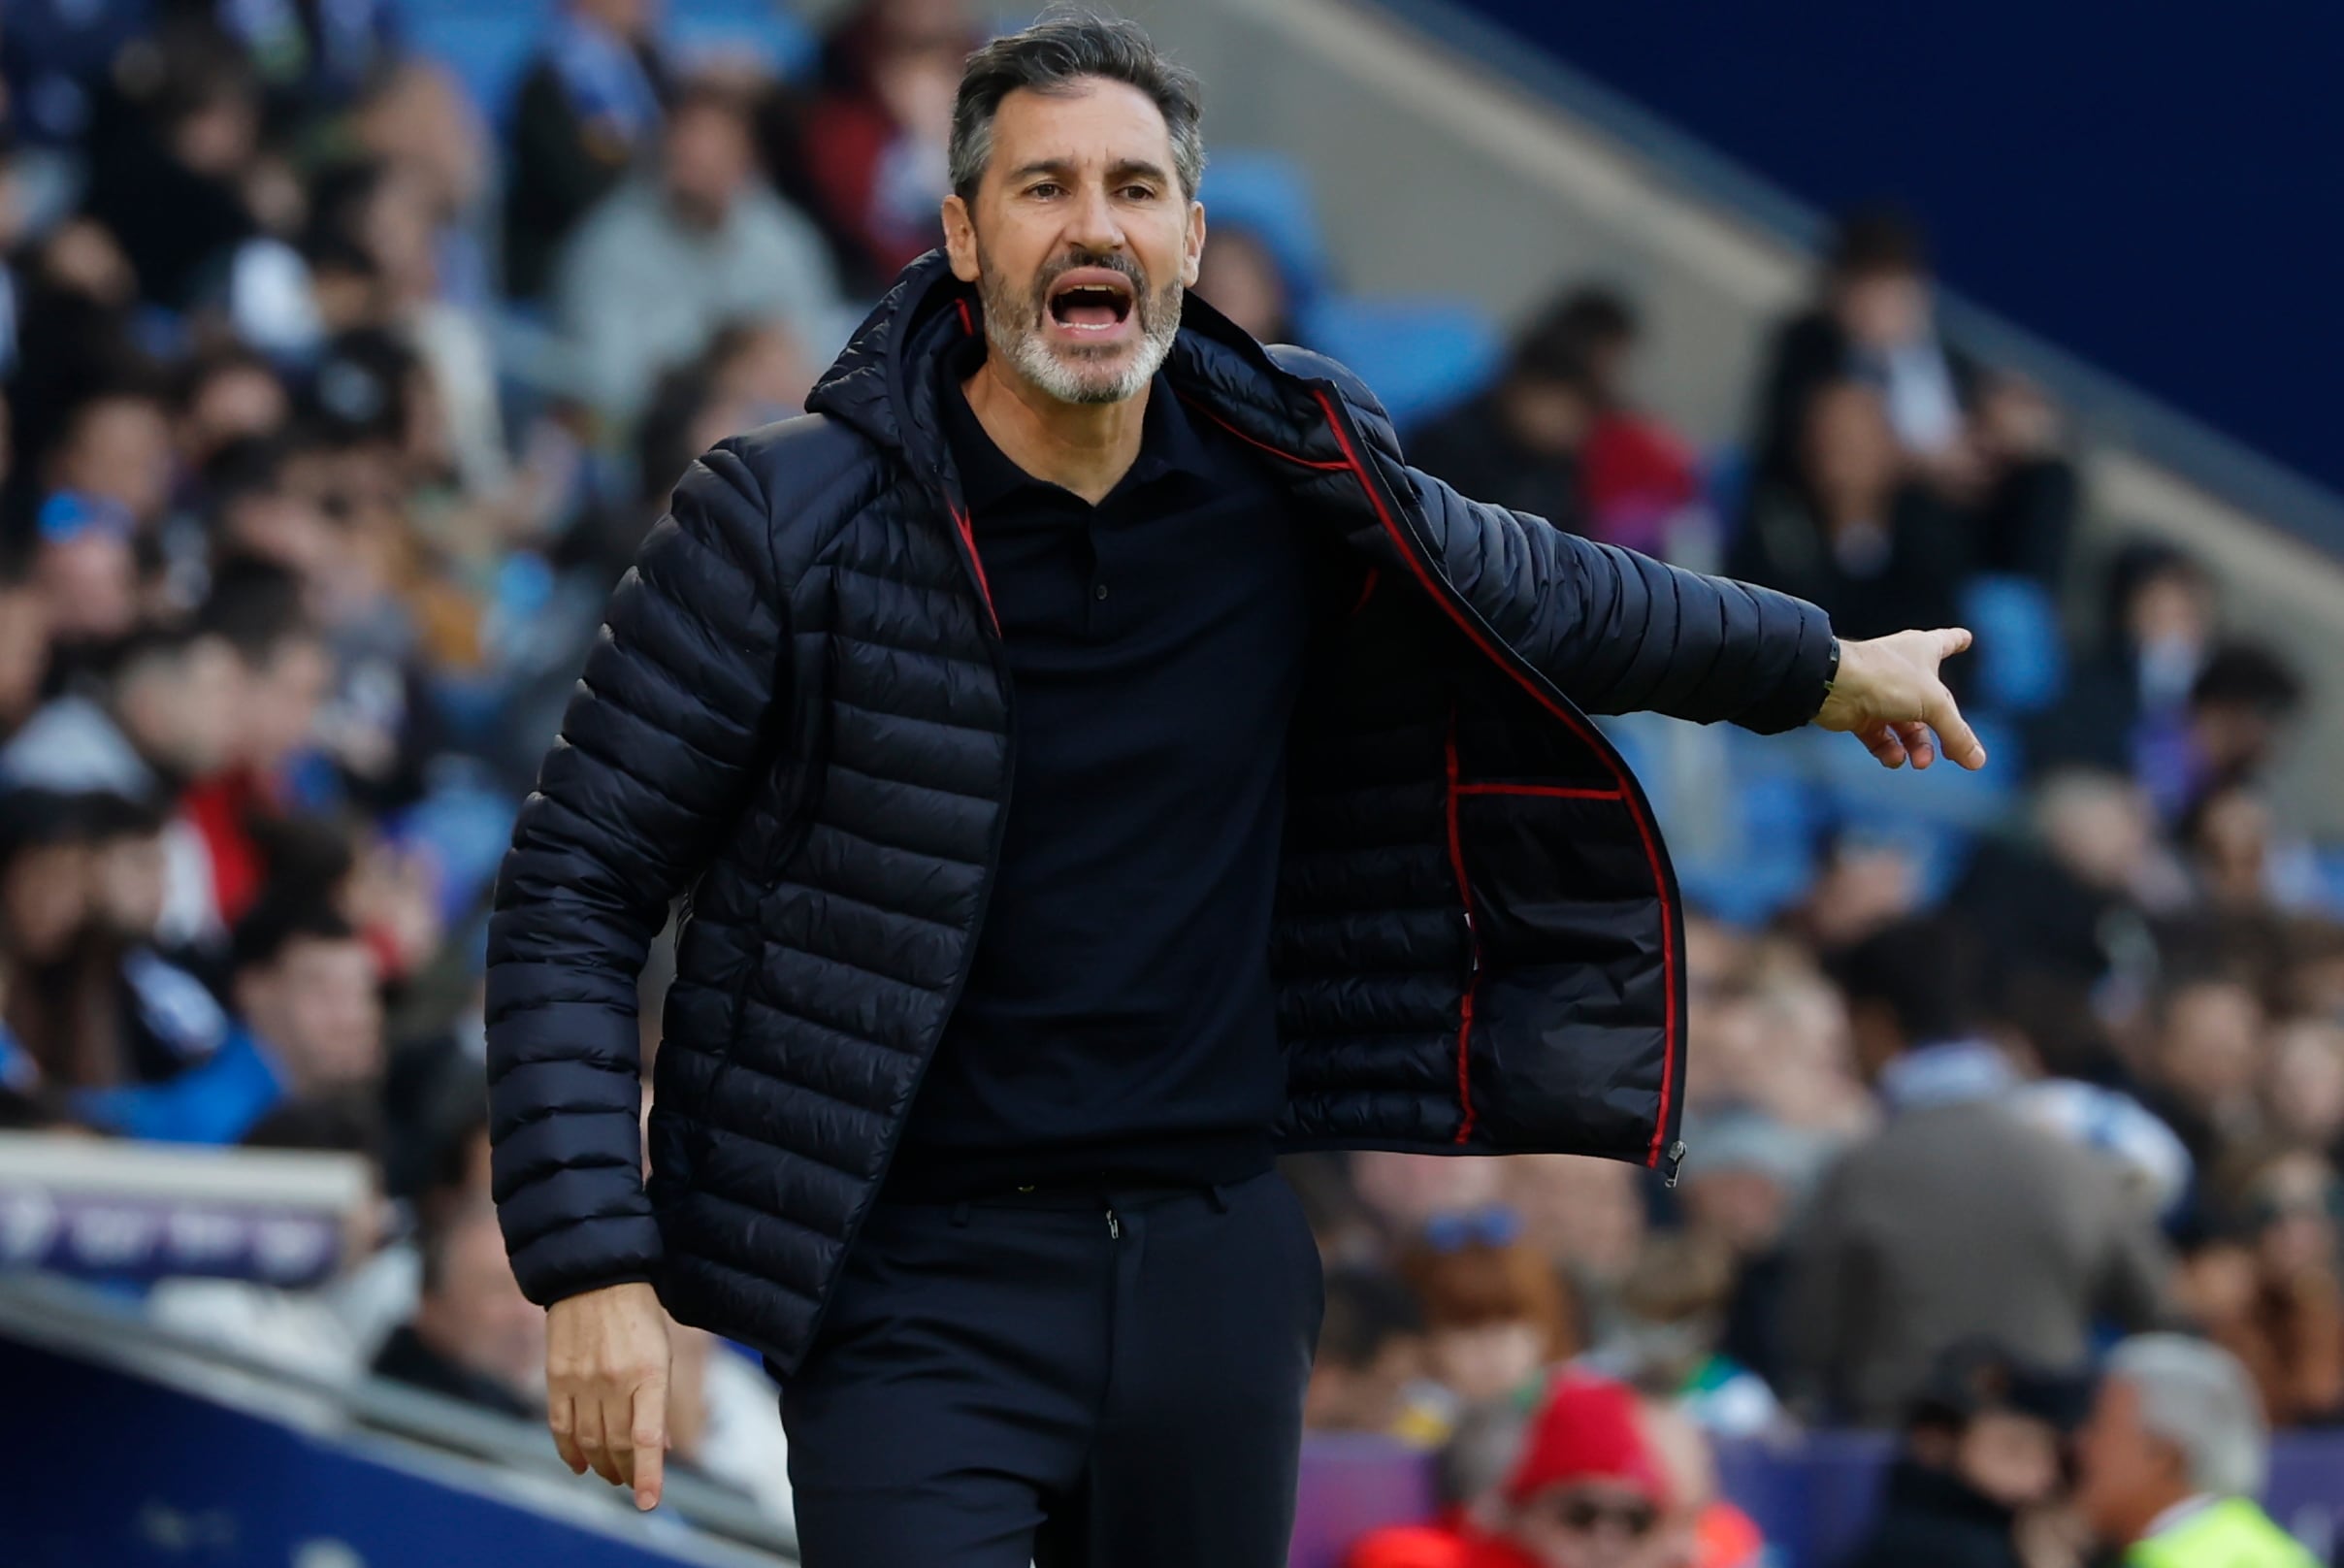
(1588, 1430)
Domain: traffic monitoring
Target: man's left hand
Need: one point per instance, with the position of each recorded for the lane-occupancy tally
(1889, 696)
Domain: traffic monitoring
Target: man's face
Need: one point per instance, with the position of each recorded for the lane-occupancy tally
(317, 1005)
(2125, 1475)
(478, 1316)
(1588, 1524)
(120, 448)
(707, 160)
(2009, 1457)
(1080, 241)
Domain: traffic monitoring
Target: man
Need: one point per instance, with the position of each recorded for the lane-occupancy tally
(309, 1025)
(1960, 1218)
(474, 1336)
(1068, 1034)
(2170, 1459)
(1981, 1445)
(1591, 1489)
(671, 257)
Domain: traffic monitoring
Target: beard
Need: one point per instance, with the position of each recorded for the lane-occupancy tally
(1015, 321)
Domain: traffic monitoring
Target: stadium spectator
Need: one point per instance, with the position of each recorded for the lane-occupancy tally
(160, 715)
(308, 1023)
(1238, 275)
(1371, 1347)
(1638, 477)
(1979, 1452)
(474, 1337)
(2239, 710)
(588, 110)
(25, 633)
(1959, 1219)
(1589, 1491)
(1469, 1476)
(1494, 1311)
(2172, 1456)
(2204, 1052)
(1668, 1342)
(2278, 1307)
(1875, 323)
(1846, 528)
(1743, 1180)
(1520, 444)
(667, 260)
(2157, 626)
(875, 137)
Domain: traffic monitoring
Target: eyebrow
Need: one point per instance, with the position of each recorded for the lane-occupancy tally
(1062, 169)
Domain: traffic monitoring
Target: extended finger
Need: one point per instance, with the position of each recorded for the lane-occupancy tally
(1954, 734)
(561, 1418)
(650, 1434)
(1918, 744)
(592, 1441)
(1952, 640)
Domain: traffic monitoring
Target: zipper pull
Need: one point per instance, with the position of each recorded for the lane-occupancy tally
(1115, 1226)
(1674, 1164)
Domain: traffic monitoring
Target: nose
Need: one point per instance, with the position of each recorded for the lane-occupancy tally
(1092, 223)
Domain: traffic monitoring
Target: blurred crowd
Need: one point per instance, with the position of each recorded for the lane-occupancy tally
(335, 401)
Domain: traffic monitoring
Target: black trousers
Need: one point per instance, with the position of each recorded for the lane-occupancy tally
(1105, 1381)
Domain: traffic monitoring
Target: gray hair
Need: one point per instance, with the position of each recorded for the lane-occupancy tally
(2196, 1397)
(1050, 58)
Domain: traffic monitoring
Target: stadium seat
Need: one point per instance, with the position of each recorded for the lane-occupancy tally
(2021, 660)
(1419, 355)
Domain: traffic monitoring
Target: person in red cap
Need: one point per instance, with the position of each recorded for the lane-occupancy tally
(1589, 1491)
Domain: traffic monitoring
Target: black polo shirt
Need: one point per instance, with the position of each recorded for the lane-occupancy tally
(1117, 1024)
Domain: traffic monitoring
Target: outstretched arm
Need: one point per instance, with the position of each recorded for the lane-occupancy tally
(1622, 632)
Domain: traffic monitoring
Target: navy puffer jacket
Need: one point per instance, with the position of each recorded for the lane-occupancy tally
(797, 716)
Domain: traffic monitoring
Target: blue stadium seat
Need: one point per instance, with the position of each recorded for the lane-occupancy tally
(1419, 355)
(2021, 659)
(488, 47)
(765, 31)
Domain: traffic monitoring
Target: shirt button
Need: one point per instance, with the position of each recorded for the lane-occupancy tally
(1100, 592)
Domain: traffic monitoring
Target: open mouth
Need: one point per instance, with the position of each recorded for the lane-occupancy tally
(1091, 301)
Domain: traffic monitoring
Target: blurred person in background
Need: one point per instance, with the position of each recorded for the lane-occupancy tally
(1668, 1341)
(1371, 1351)
(1519, 444)
(1590, 1488)
(157, 714)
(588, 112)
(1980, 1458)
(1469, 1478)
(1743, 1182)
(2241, 709)
(1238, 275)
(1876, 322)
(669, 258)
(2269, 1294)
(2171, 1460)
(1847, 528)
(1703, 1528)
(874, 138)
(1495, 1314)
(1959, 1219)
(170, 187)
(2203, 1061)
(1638, 477)
(24, 631)
(2302, 1087)
(1586, 1219)
(474, 1336)
(308, 1025)
(2157, 626)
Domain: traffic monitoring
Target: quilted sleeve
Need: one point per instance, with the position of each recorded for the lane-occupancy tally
(1621, 633)
(653, 763)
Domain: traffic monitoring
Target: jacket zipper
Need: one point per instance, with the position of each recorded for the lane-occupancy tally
(1667, 1152)
(993, 862)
